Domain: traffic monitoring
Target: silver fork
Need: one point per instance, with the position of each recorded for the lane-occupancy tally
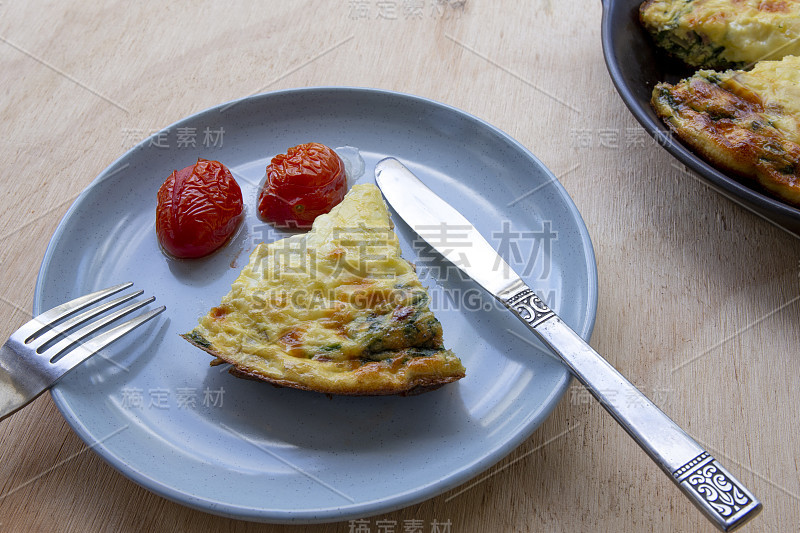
(39, 353)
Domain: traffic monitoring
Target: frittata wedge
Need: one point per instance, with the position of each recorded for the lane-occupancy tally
(336, 310)
(724, 33)
(746, 122)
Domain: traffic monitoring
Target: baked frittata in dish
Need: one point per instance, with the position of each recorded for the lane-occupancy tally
(724, 33)
(747, 122)
(336, 310)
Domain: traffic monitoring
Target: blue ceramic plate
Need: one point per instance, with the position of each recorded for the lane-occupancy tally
(155, 410)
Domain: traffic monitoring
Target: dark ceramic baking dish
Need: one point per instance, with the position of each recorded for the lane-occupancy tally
(635, 66)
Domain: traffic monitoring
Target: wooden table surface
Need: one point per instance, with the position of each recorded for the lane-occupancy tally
(698, 298)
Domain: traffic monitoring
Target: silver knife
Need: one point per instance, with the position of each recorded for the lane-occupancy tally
(712, 488)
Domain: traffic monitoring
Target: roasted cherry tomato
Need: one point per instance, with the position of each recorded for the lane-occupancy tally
(302, 184)
(199, 208)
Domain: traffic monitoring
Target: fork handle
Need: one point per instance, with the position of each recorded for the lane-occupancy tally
(719, 495)
(16, 393)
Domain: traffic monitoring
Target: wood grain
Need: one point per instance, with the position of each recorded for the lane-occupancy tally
(698, 297)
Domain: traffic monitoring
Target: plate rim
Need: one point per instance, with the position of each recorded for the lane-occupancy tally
(362, 509)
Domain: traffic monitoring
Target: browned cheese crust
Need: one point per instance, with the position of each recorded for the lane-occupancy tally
(727, 124)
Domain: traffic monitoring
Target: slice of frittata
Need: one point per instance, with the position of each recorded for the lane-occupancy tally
(336, 310)
(746, 122)
(724, 33)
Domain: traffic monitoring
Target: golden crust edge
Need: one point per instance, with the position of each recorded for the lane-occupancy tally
(414, 387)
(707, 145)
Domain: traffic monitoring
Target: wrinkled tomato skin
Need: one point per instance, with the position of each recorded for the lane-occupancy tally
(302, 184)
(199, 208)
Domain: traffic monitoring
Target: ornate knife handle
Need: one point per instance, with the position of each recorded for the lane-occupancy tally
(719, 495)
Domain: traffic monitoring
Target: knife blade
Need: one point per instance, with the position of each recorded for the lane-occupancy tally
(712, 488)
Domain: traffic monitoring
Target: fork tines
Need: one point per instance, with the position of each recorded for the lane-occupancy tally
(53, 334)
